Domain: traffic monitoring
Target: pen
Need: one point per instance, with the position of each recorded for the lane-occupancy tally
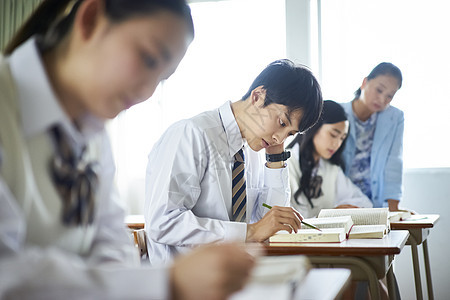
(304, 223)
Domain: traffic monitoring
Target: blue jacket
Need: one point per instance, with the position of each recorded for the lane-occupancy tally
(386, 158)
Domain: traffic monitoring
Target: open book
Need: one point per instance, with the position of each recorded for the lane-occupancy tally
(339, 224)
(274, 277)
(400, 215)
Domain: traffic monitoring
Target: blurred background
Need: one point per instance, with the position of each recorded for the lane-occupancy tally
(341, 41)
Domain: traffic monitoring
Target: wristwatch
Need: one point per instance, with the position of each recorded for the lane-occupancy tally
(278, 157)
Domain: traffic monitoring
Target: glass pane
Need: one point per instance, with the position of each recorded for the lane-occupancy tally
(234, 41)
(358, 34)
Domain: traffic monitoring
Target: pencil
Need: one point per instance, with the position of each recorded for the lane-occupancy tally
(304, 223)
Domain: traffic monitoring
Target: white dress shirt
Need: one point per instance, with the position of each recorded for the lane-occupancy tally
(337, 188)
(40, 258)
(189, 186)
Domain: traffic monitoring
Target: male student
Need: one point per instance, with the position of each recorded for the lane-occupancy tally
(205, 180)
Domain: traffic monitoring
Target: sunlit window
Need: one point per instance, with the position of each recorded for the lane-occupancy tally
(357, 35)
(234, 41)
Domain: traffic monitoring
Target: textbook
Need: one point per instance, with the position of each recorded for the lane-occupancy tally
(401, 215)
(368, 222)
(327, 235)
(274, 277)
(339, 224)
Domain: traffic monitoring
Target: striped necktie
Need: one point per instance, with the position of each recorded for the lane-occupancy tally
(75, 181)
(239, 199)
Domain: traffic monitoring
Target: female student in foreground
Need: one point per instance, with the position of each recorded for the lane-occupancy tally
(73, 65)
(316, 176)
(374, 151)
(207, 183)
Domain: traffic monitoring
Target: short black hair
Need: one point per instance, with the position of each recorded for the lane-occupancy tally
(291, 85)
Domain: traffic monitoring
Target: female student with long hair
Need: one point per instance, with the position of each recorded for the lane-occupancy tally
(316, 173)
(374, 151)
(73, 65)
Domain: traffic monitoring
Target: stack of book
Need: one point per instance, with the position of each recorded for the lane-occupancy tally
(336, 225)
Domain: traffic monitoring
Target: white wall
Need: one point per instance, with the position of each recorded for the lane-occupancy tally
(427, 191)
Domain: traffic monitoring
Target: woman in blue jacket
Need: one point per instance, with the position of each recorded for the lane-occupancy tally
(374, 149)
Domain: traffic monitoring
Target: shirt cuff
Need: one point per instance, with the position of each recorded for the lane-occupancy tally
(276, 178)
(235, 231)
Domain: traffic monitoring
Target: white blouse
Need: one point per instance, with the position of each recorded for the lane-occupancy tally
(40, 258)
(337, 188)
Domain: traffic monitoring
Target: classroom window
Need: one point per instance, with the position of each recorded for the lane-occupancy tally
(357, 35)
(233, 43)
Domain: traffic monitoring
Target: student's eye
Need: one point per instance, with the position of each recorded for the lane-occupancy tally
(150, 61)
(333, 135)
(282, 123)
(379, 91)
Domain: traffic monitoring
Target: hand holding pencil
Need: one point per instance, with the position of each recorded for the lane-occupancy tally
(303, 222)
(276, 219)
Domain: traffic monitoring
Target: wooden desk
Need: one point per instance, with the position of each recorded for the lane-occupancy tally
(135, 221)
(369, 259)
(419, 228)
(311, 288)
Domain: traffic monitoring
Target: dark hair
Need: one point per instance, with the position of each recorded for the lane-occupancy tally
(53, 19)
(332, 113)
(383, 68)
(293, 86)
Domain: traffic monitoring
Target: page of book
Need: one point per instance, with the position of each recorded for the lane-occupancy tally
(279, 269)
(367, 231)
(401, 215)
(330, 222)
(274, 277)
(360, 216)
(326, 235)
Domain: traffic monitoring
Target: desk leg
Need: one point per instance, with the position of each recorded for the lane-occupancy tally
(343, 261)
(427, 270)
(392, 290)
(415, 259)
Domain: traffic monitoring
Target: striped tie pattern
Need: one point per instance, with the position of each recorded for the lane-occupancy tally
(75, 180)
(239, 199)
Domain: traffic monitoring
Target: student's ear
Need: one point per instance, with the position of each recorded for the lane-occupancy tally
(363, 84)
(88, 17)
(258, 96)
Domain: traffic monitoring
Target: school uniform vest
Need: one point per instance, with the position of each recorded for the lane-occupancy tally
(24, 166)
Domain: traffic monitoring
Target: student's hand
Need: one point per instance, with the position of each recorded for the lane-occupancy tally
(211, 272)
(347, 206)
(278, 218)
(275, 149)
(393, 204)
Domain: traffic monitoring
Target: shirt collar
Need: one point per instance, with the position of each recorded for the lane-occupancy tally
(39, 106)
(318, 168)
(234, 136)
